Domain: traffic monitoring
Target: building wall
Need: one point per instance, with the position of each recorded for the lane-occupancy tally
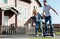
(0, 18)
(11, 20)
(11, 3)
(23, 17)
(22, 20)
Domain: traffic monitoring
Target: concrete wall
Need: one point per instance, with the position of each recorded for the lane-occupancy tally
(11, 2)
(28, 15)
(11, 20)
(29, 7)
(20, 3)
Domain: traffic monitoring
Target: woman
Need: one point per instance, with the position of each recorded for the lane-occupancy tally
(37, 20)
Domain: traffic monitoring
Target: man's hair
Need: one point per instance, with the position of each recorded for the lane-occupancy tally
(44, 1)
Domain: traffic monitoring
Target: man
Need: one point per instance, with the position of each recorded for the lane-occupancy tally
(47, 17)
(37, 20)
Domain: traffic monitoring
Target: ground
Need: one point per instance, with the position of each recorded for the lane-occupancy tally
(26, 37)
(30, 36)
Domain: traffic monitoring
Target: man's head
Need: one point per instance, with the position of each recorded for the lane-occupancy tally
(45, 3)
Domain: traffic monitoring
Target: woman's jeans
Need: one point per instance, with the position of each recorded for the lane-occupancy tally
(50, 23)
(38, 24)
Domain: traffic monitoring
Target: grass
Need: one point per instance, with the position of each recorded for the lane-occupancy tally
(45, 37)
(57, 33)
(42, 38)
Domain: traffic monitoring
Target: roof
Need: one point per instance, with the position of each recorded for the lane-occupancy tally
(29, 1)
(5, 7)
(10, 8)
(38, 3)
(9, 11)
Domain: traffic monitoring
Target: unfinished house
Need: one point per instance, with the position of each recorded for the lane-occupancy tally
(17, 12)
(25, 8)
(7, 13)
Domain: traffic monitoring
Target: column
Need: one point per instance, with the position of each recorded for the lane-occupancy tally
(2, 18)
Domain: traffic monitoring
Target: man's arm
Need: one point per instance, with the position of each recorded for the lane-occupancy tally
(54, 11)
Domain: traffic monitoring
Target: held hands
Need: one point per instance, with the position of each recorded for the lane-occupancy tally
(43, 16)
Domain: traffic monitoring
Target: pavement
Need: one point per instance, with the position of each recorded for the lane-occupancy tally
(26, 37)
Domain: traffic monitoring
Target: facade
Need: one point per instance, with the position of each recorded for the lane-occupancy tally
(24, 8)
(6, 13)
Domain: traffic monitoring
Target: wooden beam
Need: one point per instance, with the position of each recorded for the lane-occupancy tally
(27, 1)
(2, 18)
(15, 3)
(16, 20)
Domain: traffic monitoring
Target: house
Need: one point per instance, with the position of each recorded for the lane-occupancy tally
(6, 13)
(16, 12)
(25, 8)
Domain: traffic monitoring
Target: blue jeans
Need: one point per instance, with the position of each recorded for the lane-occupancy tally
(37, 25)
(50, 23)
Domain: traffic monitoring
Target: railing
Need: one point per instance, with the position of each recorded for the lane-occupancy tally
(12, 30)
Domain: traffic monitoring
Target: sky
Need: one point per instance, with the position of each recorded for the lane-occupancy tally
(56, 5)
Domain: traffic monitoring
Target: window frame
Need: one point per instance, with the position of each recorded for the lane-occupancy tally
(24, 15)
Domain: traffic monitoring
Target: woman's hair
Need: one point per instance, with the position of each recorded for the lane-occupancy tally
(34, 12)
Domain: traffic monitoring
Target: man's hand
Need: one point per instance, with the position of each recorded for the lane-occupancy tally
(57, 13)
(43, 16)
(54, 11)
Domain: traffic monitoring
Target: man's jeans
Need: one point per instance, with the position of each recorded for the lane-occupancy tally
(50, 23)
(37, 25)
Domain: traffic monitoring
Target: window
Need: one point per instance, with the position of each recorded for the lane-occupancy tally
(22, 12)
(6, 1)
(35, 7)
